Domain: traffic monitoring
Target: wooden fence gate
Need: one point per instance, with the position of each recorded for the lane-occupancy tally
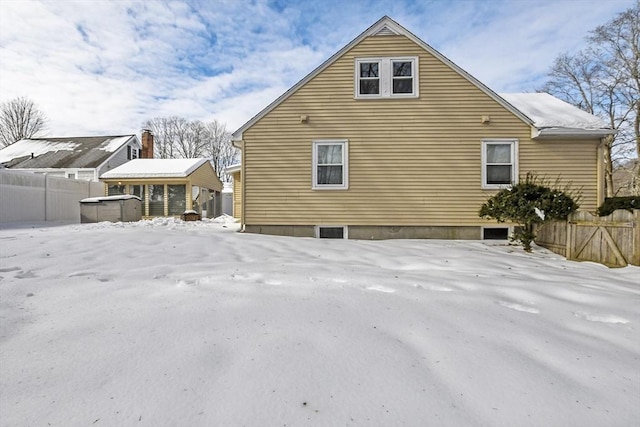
(612, 240)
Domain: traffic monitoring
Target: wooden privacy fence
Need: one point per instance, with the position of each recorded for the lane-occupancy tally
(612, 240)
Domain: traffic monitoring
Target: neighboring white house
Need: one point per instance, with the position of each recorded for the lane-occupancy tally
(83, 158)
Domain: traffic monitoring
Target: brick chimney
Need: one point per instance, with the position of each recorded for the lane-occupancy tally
(147, 144)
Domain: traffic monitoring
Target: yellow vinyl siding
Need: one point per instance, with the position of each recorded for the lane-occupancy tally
(413, 161)
(237, 195)
(205, 177)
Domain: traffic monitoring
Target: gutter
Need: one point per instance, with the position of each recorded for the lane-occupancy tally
(551, 132)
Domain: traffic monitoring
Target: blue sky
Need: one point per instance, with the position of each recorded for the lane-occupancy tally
(104, 67)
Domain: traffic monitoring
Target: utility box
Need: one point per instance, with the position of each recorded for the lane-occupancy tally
(122, 208)
(191, 216)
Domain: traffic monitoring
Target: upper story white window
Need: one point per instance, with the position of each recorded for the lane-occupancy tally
(499, 163)
(386, 77)
(330, 165)
(132, 152)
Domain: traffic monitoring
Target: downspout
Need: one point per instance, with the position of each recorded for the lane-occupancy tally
(600, 173)
(46, 191)
(243, 181)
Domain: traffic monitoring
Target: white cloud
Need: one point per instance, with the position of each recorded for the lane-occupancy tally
(105, 67)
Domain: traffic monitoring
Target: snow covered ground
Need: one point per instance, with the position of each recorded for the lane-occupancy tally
(171, 323)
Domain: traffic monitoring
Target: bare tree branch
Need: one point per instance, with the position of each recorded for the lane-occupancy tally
(179, 138)
(603, 79)
(19, 119)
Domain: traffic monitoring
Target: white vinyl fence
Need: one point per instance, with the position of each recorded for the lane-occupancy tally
(30, 197)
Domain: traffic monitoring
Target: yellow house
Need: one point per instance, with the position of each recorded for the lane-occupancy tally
(235, 172)
(390, 139)
(168, 187)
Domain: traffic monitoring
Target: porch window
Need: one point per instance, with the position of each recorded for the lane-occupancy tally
(330, 165)
(156, 200)
(499, 163)
(116, 190)
(177, 199)
(137, 190)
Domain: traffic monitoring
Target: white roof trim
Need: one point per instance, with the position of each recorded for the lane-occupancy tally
(384, 25)
(569, 133)
(233, 168)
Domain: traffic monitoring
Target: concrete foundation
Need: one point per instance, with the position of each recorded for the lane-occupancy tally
(375, 232)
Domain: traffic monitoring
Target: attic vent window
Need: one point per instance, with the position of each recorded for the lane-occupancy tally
(386, 77)
(385, 31)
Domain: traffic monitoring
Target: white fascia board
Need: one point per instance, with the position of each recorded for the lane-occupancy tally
(547, 133)
(233, 168)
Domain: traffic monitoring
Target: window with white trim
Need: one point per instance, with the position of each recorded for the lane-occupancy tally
(499, 163)
(330, 165)
(386, 77)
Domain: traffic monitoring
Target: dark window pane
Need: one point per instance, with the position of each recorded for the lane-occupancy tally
(369, 87)
(369, 69)
(402, 69)
(499, 174)
(331, 232)
(402, 85)
(329, 175)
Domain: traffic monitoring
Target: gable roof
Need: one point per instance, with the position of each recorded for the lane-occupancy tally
(155, 168)
(66, 152)
(554, 117)
(385, 26)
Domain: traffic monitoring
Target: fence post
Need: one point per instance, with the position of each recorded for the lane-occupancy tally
(569, 242)
(635, 239)
(46, 194)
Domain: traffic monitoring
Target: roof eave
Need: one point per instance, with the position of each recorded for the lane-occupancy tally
(233, 168)
(556, 132)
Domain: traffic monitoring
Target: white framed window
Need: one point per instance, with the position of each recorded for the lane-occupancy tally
(386, 77)
(132, 152)
(330, 165)
(499, 163)
(332, 232)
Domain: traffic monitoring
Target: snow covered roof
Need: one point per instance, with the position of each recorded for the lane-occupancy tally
(155, 168)
(66, 152)
(554, 117)
(109, 198)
